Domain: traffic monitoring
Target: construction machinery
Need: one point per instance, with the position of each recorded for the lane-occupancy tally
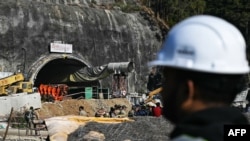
(152, 94)
(240, 101)
(100, 72)
(14, 84)
(91, 74)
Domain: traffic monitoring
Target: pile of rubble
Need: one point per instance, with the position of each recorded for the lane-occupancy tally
(70, 106)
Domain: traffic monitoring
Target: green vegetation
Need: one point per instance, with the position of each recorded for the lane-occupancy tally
(234, 11)
(173, 11)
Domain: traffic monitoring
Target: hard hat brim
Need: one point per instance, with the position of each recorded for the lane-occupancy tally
(232, 70)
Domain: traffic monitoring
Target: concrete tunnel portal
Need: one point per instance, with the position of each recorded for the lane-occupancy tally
(58, 71)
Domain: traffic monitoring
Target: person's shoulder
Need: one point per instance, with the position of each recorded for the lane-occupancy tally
(26, 113)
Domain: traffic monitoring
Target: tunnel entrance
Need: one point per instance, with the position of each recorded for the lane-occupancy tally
(58, 71)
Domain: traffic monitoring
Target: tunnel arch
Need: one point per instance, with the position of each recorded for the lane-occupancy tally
(56, 69)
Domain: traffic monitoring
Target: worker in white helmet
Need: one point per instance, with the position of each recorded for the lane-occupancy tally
(204, 63)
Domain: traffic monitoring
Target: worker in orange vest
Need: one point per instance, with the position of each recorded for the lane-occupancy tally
(49, 89)
(41, 91)
(45, 90)
(58, 92)
(54, 92)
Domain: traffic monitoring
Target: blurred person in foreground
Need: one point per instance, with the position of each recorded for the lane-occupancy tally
(204, 63)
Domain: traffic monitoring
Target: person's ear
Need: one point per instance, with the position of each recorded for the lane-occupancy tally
(188, 103)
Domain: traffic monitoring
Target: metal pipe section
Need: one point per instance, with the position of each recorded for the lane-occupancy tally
(121, 67)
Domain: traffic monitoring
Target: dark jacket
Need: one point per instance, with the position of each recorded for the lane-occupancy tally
(30, 115)
(154, 81)
(208, 124)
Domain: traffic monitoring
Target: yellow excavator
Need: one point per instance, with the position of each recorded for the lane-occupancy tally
(152, 94)
(14, 84)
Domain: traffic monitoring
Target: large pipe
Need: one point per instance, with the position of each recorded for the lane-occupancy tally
(121, 67)
(100, 72)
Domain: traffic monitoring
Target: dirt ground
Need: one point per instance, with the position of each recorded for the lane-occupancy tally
(70, 106)
(65, 107)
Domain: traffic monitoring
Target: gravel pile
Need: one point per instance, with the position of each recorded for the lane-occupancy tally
(143, 129)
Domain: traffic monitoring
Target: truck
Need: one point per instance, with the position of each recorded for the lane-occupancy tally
(14, 84)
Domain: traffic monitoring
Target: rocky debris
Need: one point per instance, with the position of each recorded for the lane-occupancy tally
(60, 127)
(93, 135)
(142, 129)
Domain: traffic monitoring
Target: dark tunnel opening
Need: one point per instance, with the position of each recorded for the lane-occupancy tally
(58, 72)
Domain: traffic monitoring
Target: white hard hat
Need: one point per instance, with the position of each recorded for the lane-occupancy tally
(151, 104)
(204, 43)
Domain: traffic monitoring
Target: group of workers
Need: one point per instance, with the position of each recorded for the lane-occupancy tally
(53, 92)
(148, 109)
(117, 111)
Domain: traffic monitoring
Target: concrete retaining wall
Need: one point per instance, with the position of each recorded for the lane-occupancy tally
(19, 102)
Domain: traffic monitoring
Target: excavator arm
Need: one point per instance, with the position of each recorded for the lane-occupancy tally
(7, 81)
(14, 84)
(11, 79)
(152, 94)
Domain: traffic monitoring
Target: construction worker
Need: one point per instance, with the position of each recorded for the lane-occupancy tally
(82, 112)
(204, 63)
(41, 92)
(60, 92)
(41, 89)
(49, 90)
(154, 80)
(29, 116)
(157, 110)
(45, 90)
(54, 92)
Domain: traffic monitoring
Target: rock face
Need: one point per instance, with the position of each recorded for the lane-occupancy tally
(98, 36)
